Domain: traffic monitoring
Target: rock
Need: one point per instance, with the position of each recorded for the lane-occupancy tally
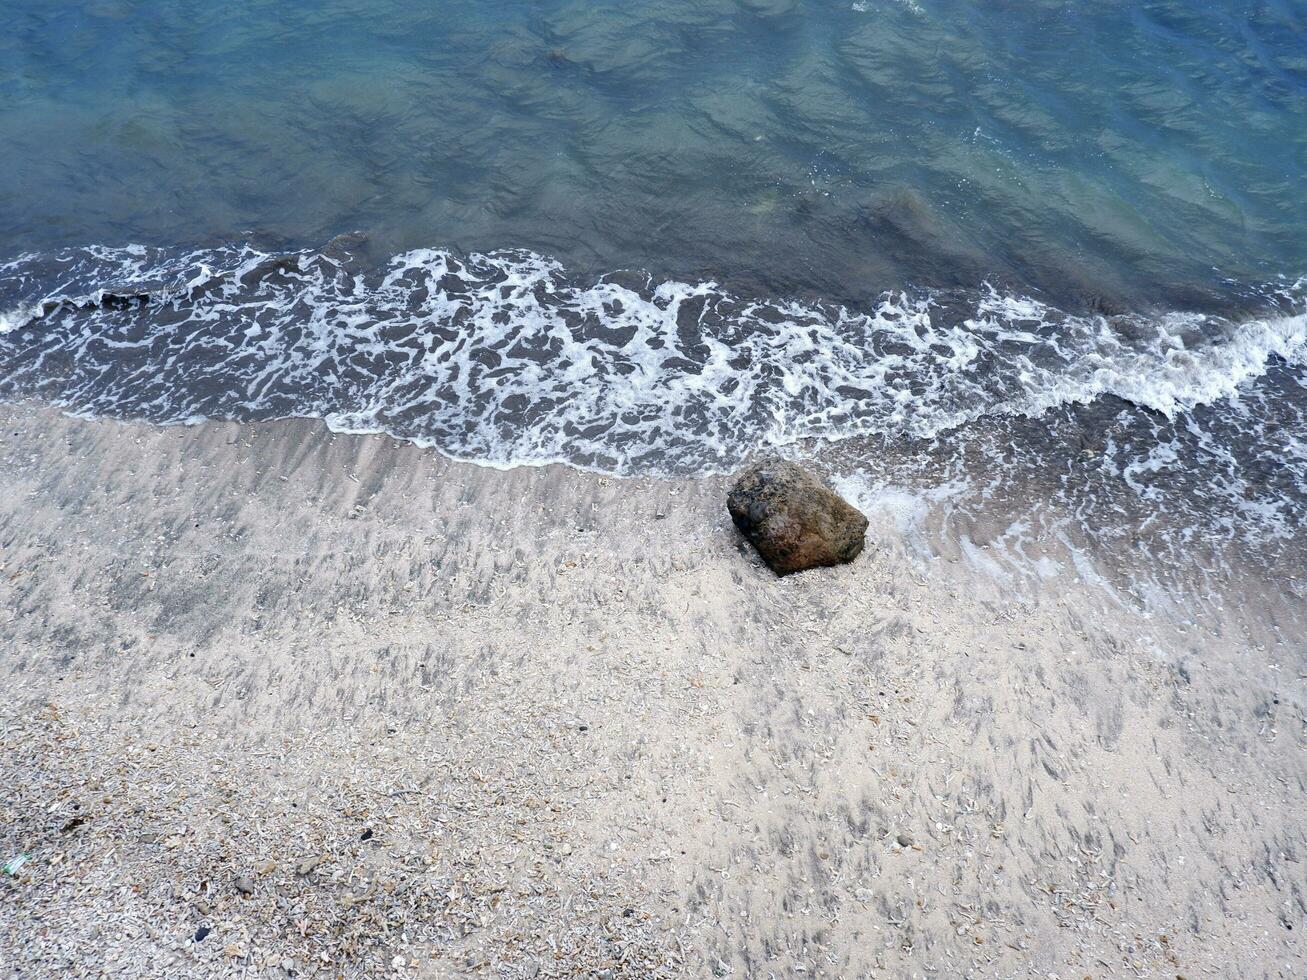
(904, 840)
(245, 886)
(794, 520)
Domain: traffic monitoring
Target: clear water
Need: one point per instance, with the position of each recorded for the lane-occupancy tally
(1005, 238)
(836, 148)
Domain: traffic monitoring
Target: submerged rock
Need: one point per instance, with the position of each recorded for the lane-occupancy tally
(794, 520)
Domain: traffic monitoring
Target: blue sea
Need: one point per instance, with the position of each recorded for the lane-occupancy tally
(1044, 262)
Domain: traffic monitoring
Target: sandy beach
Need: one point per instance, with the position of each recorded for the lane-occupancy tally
(280, 702)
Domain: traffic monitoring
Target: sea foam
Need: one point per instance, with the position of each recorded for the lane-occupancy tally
(505, 359)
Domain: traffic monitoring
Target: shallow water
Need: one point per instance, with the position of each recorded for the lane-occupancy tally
(1047, 253)
(826, 148)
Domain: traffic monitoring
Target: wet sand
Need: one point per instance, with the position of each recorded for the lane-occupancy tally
(284, 702)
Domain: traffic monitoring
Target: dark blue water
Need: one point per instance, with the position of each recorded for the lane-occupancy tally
(654, 237)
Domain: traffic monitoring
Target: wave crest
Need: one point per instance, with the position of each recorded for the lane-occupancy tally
(503, 358)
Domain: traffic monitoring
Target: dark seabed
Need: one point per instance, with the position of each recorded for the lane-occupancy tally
(1040, 264)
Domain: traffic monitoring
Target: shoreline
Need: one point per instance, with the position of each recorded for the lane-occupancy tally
(583, 729)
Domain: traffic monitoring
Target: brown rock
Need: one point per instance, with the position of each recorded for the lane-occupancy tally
(794, 520)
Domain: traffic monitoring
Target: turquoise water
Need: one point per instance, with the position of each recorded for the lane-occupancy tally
(1142, 152)
(1048, 257)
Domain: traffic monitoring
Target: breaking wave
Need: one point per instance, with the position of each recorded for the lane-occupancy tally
(505, 359)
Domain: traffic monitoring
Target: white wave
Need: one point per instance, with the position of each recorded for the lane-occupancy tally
(15, 319)
(504, 359)
(1172, 375)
